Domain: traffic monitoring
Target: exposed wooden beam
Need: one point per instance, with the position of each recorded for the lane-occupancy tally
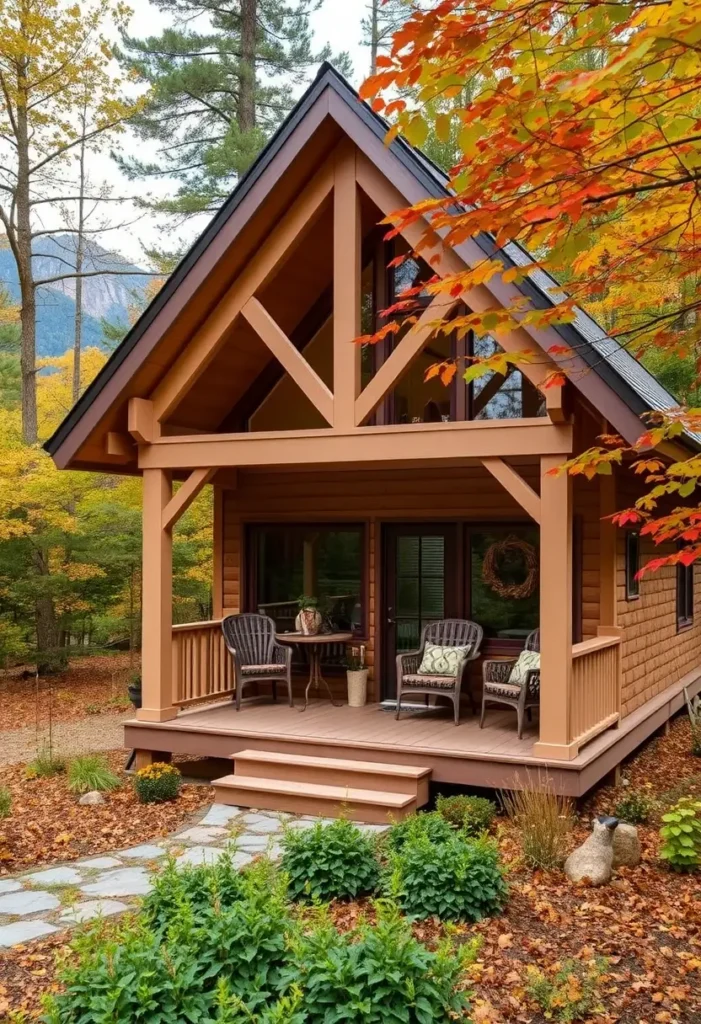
(120, 446)
(206, 343)
(389, 444)
(347, 246)
(514, 483)
(290, 357)
(184, 496)
(141, 421)
(554, 403)
(403, 356)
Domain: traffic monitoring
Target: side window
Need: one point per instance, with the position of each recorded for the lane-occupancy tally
(632, 564)
(685, 595)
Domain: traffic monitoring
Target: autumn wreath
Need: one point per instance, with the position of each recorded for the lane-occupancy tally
(490, 568)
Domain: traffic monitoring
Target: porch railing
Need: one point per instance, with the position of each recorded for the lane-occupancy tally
(595, 696)
(202, 666)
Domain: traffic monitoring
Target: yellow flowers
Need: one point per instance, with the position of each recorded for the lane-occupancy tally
(157, 770)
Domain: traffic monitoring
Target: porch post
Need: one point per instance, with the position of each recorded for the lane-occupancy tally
(346, 289)
(157, 601)
(555, 613)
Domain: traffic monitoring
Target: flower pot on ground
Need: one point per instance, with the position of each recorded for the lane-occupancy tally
(134, 691)
(357, 687)
(309, 618)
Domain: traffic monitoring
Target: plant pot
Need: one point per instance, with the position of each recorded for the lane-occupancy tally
(357, 687)
(308, 621)
(134, 692)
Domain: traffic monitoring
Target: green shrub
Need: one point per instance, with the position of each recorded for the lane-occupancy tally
(681, 834)
(91, 772)
(544, 820)
(327, 862)
(429, 824)
(5, 802)
(635, 807)
(696, 739)
(458, 879)
(45, 765)
(473, 814)
(197, 887)
(157, 782)
(571, 993)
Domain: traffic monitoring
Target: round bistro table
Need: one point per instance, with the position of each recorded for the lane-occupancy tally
(315, 644)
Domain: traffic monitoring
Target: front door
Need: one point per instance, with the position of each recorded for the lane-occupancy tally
(420, 561)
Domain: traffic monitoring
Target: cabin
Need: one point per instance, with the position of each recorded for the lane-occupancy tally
(338, 471)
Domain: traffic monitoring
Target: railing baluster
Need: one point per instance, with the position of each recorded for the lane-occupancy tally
(594, 702)
(202, 667)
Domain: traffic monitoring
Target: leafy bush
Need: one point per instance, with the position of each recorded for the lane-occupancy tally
(681, 832)
(5, 802)
(571, 993)
(157, 782)
(45, 765)
(196, 887)
(635, 807)
(429, 824)
(91, 772)
(473, 814)
(458, 879)
(326, 862)
(544, 820)
(696, 740)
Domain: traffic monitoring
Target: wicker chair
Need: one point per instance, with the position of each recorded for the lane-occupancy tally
(446, 633)
(496, 688)
(250, 640)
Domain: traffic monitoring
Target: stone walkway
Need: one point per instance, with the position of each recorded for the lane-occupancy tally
(39, 903)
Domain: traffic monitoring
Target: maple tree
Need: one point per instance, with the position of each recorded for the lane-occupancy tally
(579, 133)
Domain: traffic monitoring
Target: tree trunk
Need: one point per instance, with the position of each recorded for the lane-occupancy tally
(247, 78)
(79, 254)
(49, 657)
(23, 256)
(374, 36)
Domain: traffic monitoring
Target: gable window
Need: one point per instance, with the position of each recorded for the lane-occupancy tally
(685, 595)
(632, 565)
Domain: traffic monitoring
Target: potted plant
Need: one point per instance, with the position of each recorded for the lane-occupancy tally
(309, 618)
(357, 676)
(134, 690)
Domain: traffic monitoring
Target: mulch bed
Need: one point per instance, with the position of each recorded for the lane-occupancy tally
(92, 685)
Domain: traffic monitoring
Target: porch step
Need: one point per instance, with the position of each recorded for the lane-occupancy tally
(312, 798)
(333, 771)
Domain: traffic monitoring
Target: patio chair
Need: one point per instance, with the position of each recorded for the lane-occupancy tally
(258, 658)
(445, 633)
(498, 689)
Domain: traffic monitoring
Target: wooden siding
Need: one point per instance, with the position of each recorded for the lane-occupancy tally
(586, 504)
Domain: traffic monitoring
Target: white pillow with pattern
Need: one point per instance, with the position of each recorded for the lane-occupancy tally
(526, 661)
(442, 661)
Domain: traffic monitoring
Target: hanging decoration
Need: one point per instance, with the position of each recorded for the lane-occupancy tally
(491, 568)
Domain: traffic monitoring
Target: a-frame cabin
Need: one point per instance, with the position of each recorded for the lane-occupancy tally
(338, 470)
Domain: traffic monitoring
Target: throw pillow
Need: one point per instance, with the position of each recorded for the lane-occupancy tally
(442, 661)
(526, 661)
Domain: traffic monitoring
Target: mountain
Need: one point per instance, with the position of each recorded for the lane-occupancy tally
(106, 296)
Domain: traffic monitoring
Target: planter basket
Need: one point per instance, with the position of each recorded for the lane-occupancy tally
(357, 687)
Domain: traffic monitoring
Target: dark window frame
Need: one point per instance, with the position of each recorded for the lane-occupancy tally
(685, 596)
(632, 566)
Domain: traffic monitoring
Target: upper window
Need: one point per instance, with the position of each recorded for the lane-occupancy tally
(502, 397)
(632, 564)
(685, 595)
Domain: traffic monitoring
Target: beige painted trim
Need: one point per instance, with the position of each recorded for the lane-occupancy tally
(347, 268)
(411, 346)
(206, 343)
(141, 421)
(514, 483)
(387, 444)
(595, 643)
(289, 357)
(184, 496)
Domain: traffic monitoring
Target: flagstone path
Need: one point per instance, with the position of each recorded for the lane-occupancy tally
(38, 903)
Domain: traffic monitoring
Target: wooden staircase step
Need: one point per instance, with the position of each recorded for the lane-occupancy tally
(334, 771)
(313, 798)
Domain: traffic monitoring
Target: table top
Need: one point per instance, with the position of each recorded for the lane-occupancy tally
(315, 638)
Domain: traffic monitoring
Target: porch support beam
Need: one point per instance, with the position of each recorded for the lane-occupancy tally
(389, 444)
(516, 486)
(608, 551)
(141, 421)
(157, 602)
(411, 346)
(289, 357)
(184, 496)
(208, 339)
(346, 288)
(120, 446)
(555, 613)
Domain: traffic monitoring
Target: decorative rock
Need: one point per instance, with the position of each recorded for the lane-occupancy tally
(197, 855)
(91, 909)
(220, 814)
(92, 798)
(28, 902)
(57, 876)
(101, 862)
(8, 885)
(593, 860)
(125, 882)
(203, 834)
(147, 851)
(24, 931)
(626, 846)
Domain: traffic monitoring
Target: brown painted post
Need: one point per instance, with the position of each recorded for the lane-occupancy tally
(346, 290)
(157, 614)
(555, 613)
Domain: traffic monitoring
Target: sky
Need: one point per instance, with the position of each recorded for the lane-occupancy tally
(337, 22)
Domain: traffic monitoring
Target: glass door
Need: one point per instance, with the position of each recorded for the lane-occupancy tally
(419, 587)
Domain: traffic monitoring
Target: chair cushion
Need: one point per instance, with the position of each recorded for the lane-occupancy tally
(442, 661)
(502, 690)
(435, 681)
(526, 661)
(263, 670)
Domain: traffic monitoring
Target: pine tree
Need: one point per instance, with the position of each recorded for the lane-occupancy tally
(218, 93)
(379, 25)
